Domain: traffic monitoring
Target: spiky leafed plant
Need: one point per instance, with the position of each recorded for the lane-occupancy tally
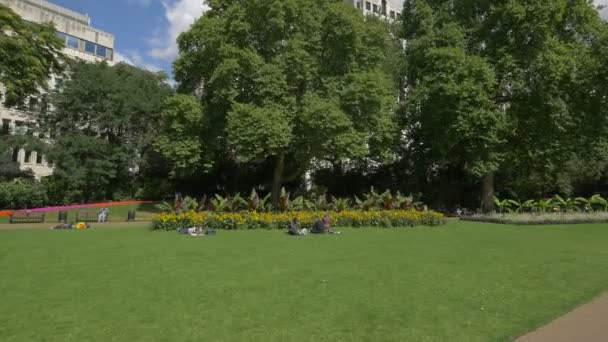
(300, 203)
(284, 202)
(598, 200)
(387, 200)
(371, 201)
(190, 204)
(340, 204)
(404, 202)
(503, 205)
(521, 207)
(543, 205)
(583, 204)
(237, 203)
(165, 207)
(220, 204)
(319, 203)
(265, 204)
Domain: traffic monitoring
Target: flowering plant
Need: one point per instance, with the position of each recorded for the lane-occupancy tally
(306, 219)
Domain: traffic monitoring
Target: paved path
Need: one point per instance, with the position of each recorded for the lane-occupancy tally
(588, 323)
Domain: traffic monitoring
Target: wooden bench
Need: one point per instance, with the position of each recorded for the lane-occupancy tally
(86, 216)
(27, 218)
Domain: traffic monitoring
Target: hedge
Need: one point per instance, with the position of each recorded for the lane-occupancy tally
(277, 220)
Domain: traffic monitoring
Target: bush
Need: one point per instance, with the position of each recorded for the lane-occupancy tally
(22, 194)
(276, 220)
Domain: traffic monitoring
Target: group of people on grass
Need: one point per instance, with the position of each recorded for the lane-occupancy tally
(322, 226)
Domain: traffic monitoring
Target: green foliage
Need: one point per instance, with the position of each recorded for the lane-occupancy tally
(22, 194)
(306, 80)
(29, 54)
(179, 140)
(104, 120)
(495, 87)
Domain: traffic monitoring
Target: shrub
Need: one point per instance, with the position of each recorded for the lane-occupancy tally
(280, 220)
(22, 194)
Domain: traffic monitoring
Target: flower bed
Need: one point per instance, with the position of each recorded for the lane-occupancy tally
(541, 218)
(75, 206)
(275, 220)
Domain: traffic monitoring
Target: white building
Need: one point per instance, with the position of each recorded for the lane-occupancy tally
(387, 8)
(81, 41)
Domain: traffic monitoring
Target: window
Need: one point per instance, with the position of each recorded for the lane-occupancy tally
(392, 14)
(368, 6)
(15, 157)
(33, 104)
(358, 4)
(28, 156)
(6, 126)
(89, 47)
(101, 51)
(73, 42)
(38, 158)
(375, 8)
(62, 35)
(110, 55)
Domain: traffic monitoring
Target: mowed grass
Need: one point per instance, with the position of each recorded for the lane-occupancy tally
(118, 213)
(462, 282)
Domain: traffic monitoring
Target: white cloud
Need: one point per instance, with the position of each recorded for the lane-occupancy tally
(134, 58)
(144, 3)
(180, 14)
(120, 58)
(604, 11)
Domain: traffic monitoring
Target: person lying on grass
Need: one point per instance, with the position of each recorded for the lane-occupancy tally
(293, 228)
(323, 226)
(193, 231)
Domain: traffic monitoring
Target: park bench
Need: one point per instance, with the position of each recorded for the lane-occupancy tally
(86, 216)
(27, 218)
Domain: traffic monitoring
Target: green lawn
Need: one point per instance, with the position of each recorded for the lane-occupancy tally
(118, 213)
(462, 282)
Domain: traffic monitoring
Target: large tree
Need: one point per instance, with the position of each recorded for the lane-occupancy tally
(103, 119)
(290, 81)
(506, 86)
(29, 54)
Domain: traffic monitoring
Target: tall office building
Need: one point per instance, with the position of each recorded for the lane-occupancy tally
(81, 40)
(388, 8)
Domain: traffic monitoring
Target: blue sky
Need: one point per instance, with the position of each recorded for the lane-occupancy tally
(144, 30)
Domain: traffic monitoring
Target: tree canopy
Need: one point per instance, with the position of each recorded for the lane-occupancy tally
(507, 86)
(291, 81)
(29, 54)
(102, 121)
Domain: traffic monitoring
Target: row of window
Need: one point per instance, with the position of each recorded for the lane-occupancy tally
(28, 157)
(379, 9)
(86, 46)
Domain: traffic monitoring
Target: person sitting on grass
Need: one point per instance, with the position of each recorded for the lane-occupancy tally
(194, 231)
(293, 228)
(323, 226)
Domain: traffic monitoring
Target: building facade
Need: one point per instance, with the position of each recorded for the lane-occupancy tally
(390, 9)
(82, 41)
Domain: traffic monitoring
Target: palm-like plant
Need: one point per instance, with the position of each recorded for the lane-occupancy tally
(403, 202)
(599, 201)
(164, 207)
(220, 204)
(520, 206)
(583, 204)
(340, 204)
(387, 200)
(502, 205)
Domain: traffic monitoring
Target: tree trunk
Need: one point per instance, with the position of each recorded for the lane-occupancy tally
(487, 193)
(277, 179)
